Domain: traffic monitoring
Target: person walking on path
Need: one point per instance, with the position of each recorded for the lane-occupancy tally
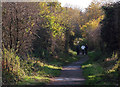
(86, 49)
(83, 49)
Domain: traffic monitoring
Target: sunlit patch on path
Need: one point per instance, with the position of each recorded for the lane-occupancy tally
(68, 79)
(71, 68)
(71, 74)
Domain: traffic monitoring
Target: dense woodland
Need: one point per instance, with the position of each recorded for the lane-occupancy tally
(38, 38)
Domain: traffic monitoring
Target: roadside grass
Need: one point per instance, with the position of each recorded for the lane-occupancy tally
(68, 58)
(92, 72)
(97, 72)
(33, 71)
(34, 80)
(39, 73)
(44, 71)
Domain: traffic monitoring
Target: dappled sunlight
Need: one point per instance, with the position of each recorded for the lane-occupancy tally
(110, 59)
(49, 66)
(113, 58)
(43, 42)
(53, 67)
(28, 80)
(35, 77)
(88, 65)
(113, 68)
(110, 71)
(67, 79)
(72, 52)
(71, 68)
(93, 76)
(70, 74)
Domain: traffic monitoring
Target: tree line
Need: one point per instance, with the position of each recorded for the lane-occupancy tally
(34, 27)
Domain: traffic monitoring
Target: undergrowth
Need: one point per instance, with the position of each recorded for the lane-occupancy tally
(31, 70)
(99, 71)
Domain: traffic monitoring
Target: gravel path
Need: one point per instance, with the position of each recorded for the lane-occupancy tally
(71, 74)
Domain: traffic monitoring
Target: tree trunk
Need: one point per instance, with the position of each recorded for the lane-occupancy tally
(118, 38)
(10, 34)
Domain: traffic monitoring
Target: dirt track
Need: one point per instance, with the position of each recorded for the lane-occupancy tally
(71, 74)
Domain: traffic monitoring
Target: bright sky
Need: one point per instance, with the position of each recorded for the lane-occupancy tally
(77, 3)
(82, 4)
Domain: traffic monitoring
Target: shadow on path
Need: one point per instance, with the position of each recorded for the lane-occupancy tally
(71, 74)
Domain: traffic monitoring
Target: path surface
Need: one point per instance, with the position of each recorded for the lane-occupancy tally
(71, 74)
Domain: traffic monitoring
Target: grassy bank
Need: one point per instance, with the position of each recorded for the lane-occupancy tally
(32, 70)
(99, 71)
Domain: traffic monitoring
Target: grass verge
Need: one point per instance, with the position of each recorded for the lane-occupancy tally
(33, 71)
(95, 71)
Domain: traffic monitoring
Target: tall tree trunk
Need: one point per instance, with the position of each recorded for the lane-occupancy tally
(10, 34)
(17, 31)
(118, 38)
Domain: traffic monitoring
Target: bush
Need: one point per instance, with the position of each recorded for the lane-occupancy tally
(101, 70)
(95, 55)
(11, 66)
